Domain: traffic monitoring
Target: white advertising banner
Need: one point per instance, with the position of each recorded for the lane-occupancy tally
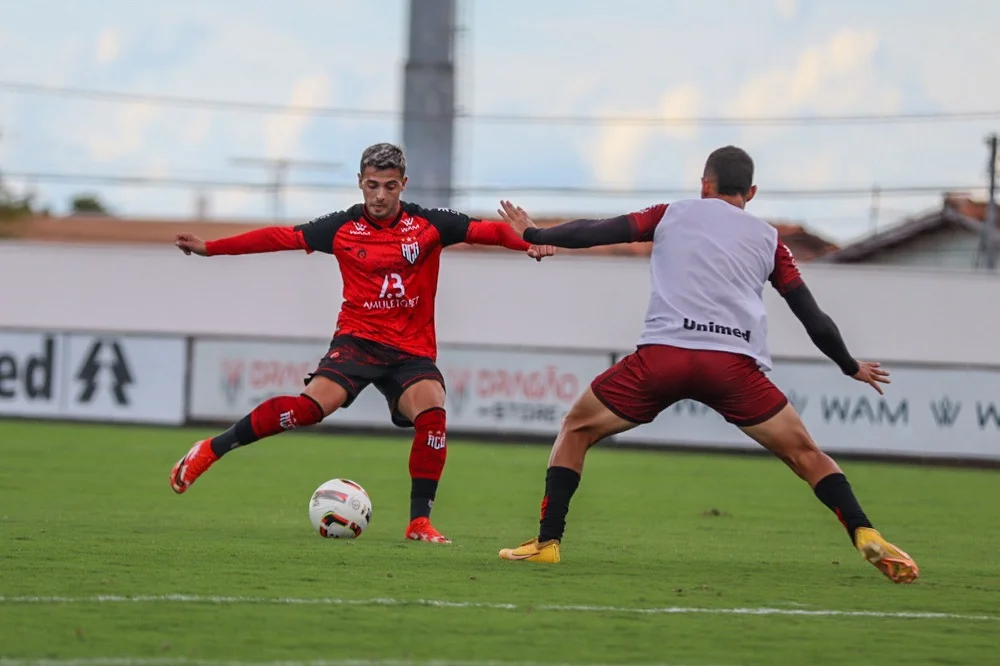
(231, 377)
(30, 374)
(99, 377)
(122, 378)
(488, 390)
(515, 392)
(925, 411)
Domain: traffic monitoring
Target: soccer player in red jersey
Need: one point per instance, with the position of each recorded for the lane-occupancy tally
(705, 339)
(389, 253)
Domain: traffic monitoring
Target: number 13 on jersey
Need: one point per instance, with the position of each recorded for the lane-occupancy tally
(392, 286)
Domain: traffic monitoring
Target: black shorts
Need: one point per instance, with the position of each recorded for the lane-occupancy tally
(354, 363)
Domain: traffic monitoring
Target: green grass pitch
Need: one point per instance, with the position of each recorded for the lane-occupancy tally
(99, 560)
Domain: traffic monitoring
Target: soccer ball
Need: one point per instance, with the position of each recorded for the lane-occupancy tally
(340, 509)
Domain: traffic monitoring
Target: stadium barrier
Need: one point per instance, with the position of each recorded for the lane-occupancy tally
(894, 315)
(929, 411)
(93, 376)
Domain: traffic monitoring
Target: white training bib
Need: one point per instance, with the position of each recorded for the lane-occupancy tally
(709, 264)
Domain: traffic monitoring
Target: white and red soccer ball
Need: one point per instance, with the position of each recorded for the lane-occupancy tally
(340, 509)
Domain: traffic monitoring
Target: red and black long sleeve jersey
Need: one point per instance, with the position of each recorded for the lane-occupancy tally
(389, 267)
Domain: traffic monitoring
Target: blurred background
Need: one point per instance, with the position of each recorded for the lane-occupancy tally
(199, 110)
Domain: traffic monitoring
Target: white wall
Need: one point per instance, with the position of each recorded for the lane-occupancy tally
(890, 314)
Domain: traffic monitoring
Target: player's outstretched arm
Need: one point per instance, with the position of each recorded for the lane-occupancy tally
(583, 233)
(458, 227)
(487, 232)
(818, 324)
(268, 239)
(313, 236)
(826, 336)
(821, 328)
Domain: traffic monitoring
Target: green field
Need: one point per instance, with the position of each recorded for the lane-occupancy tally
(100, 560)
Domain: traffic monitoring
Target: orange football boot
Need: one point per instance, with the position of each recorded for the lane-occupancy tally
(420, 529)
(192, 465)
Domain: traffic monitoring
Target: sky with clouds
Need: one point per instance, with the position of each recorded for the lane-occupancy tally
(573, 57)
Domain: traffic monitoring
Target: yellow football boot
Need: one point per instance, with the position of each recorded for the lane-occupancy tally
(891, 561)
(533, 551)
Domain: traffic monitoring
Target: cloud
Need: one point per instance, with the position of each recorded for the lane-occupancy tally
(787, 9)
(680, 102)
(614, 160)
(620, 147)
(195, 131)
(816, 171)
(829, 76)
(127, 132)
(235, 204)
(108, 46)
(282, 132)
(837, 75)
(693, 169)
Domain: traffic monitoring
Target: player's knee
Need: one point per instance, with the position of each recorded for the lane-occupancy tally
(421, 396)
(799, 451)
(582, 423)
(327, 394)
(308, 411)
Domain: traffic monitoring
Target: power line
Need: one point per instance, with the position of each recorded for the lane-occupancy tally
(495, 119)
(836, 192)
(509, 190)
(280, 168)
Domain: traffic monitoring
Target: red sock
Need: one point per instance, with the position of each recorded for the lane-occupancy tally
(284, 412)
(269, 418)
(427, 458)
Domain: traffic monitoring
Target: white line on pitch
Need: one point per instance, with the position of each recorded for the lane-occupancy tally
(167, 661)
(667, 610)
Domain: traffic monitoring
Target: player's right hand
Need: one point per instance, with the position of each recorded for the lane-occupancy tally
(872, 373)
(539, 252)
(191, 244)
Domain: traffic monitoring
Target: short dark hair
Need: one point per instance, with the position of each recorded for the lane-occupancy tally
(383, 156)
(732, 170)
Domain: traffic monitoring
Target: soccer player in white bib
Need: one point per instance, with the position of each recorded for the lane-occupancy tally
(705, 339)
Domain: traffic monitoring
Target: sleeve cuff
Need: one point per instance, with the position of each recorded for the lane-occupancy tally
(850, 368)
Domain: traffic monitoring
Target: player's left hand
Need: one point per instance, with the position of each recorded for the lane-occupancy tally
(873, 374)
(538, 252)
(515, 217)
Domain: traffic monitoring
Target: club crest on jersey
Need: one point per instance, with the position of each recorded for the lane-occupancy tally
(411, 251)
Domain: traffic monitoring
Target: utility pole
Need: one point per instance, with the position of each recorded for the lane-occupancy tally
(987, 245)
(873, 211)
(280, 168)
(991, 210)
(429, 101)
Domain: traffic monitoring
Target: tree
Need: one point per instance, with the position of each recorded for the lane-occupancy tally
(13, 207)
(88, 204)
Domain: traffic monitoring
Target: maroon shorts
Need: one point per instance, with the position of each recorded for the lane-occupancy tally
(653, 377)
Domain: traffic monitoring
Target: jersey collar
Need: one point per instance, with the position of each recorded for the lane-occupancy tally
(381, 224)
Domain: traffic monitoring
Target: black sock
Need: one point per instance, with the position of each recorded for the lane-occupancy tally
(835, 492)
(422, 493)
(240, 434)
(560, 484)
